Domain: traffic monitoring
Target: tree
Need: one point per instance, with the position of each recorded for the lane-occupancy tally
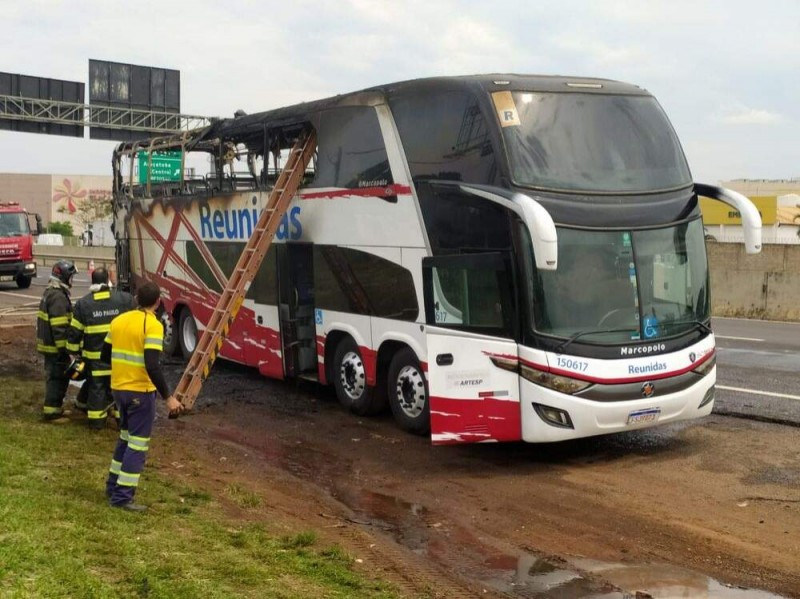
(62, 228)
(93, 209)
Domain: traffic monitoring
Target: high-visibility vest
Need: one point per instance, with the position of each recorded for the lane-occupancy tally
(129, 335)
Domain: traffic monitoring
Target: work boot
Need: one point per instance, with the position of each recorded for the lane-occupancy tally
(130, 506)
(56, 418)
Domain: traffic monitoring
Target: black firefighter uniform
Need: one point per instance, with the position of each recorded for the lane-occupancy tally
(91, 321)
(52, 324)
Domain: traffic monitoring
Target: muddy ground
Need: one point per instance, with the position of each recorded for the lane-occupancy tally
(706, 509)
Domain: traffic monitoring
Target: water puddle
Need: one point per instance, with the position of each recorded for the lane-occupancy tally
(533, 576)
(401, 519)
(460, 551)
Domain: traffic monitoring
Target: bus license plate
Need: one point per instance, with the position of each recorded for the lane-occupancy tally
(644, 416)
(7, 278)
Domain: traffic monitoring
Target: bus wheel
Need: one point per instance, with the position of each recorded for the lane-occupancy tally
(23, 282)
(187, 333)
(408, 393)
(350, 380)
(170, 334)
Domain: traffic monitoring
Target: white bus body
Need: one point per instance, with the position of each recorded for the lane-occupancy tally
(423, 265)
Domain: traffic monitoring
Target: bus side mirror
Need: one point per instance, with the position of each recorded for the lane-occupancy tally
(39, 229)
(751, 219)
(542, 230)
(540, 224)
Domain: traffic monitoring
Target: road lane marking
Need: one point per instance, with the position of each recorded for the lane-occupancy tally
(36, 297)
(756, 392)
(737, 338)
(756, 320)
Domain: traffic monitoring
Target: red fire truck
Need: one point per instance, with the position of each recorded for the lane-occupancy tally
(16, 244)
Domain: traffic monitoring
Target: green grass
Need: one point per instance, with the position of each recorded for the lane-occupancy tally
(58, 538)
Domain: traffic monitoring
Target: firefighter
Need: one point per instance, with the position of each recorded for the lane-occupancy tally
(133, 347)
(91, 320)
(52, 324)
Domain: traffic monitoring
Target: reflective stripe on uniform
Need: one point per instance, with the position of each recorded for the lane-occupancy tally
(96, 414)
(61, 343)
(126, 479)
(73, 347)
(43, 315)
(101, 295)
(115, 467)
(153, 343)
(91, 355)
(97, 373)
(139, 443)
(134, 358)
(123, 434)
(59, 320)
(52, 410)
(76, 324)
(46, 349)
(98, 328)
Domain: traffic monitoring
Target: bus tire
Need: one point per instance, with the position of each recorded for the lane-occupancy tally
(170, 333)
(350, 380)
(408, 393)
(187, 333)
(23, 282)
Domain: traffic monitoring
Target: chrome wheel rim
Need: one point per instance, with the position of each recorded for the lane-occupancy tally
(189, 334)
(353, 375)
(410, 391)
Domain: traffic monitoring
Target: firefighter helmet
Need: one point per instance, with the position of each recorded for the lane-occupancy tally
(76, 369)
(64, 270)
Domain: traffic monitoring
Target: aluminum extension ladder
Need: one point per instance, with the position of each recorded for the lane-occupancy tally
(199, 366)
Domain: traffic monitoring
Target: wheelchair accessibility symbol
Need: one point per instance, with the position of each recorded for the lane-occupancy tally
(650, 327)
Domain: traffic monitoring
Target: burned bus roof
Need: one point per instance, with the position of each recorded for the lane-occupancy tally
(253, 125)
(254, 130)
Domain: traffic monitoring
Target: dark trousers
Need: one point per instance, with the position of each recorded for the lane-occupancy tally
(55, 386)
(137, 412)
(98, 396)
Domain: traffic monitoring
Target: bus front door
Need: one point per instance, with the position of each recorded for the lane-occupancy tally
(296, 308)
(473, 381)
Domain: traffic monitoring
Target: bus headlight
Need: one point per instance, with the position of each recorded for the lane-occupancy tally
(562, 384)
(30, 266)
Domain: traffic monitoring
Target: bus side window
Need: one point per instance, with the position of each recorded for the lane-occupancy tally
(457, 222)
(470, 292)
(445, 136)
(350, 150)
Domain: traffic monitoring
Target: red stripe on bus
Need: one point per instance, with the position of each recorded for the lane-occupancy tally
(377, 192)
(620, 380)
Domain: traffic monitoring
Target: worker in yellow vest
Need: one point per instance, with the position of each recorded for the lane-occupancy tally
(133, 347)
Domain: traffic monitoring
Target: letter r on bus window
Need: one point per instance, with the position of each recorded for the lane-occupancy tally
(508, 115)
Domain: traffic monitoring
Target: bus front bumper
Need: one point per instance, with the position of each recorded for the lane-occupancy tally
(587, 418)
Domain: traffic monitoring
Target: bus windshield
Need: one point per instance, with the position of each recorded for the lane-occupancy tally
(593, 143)
(618, 286)
(13, 224)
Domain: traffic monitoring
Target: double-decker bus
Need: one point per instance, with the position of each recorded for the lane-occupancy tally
(493, 258)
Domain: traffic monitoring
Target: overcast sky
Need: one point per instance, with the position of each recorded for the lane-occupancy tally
(726, 72)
